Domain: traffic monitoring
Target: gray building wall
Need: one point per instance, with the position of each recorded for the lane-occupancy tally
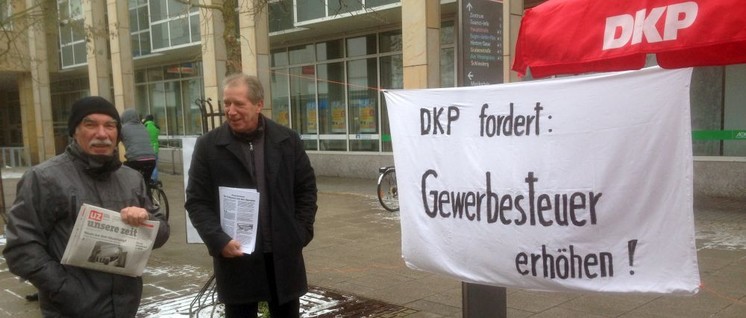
(720, 177)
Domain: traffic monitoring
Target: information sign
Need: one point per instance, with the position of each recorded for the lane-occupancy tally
(481, 50)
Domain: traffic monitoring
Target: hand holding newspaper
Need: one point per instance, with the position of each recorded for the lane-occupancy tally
(239, 214)
(101, 241)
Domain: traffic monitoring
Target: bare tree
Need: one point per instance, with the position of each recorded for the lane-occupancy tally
(230, 14)
(15, 22)
(14, 27)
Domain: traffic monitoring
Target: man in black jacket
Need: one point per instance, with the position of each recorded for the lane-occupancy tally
(253, 152)
(47, 202)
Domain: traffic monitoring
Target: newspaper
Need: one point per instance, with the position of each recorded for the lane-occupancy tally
(101, 241)
(239, 215)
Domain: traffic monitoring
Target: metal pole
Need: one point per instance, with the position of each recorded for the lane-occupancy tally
(483, 301)
(2, 204)
(173, 162)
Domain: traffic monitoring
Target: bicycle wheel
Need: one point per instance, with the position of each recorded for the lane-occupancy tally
(160, 200)
(388, 194)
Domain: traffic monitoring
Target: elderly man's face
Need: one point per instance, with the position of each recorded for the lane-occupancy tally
(242, 115)
(97, 134)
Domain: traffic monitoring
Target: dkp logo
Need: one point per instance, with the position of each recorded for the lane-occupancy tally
(633, 29)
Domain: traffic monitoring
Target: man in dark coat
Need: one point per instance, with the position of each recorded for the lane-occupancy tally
(47, 203)
(253, 152)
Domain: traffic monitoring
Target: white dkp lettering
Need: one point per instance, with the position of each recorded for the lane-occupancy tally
(633, 29)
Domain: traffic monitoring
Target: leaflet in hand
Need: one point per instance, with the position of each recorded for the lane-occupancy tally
(239, 215)
(101, 241)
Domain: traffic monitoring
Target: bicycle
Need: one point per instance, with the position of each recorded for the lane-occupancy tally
(388, 193)
(158, 196)
(153, 188)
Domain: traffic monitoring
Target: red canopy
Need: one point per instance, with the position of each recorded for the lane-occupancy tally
(578, 36)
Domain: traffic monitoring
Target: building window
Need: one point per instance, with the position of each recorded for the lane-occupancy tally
(392, 77)
(10, 120)
(303, 104)
(64, 93)
(362, 101)
(360, 46)
(72, 33)
(302, 54)
(447, 54)
(330, 91)
(173, 24)
(344, 6)
(330, 50)
(332, 111)
(139, 27)
(6, 13)
(169, 94)
(311, 11)
(718, 104)
(390, 41)
(279, 84)
(280, 15)
(378, 3)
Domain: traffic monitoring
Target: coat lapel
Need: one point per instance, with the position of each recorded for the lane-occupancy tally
(232, 144)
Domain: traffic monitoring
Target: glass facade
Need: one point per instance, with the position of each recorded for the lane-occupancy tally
(169, 93)
(330, 91)
(718, 104)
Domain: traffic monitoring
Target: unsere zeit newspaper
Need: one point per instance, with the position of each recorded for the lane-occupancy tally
(101, 241)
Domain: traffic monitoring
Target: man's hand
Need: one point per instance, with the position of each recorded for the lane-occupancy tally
(134, 216)
(232, 249)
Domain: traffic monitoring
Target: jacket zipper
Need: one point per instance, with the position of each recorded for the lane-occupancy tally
(251, 161)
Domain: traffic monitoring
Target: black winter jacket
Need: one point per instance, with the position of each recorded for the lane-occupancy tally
(220, 160)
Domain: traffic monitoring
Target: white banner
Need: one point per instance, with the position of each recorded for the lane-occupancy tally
(581, 183)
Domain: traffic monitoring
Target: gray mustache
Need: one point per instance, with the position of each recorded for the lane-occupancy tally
(104, 142)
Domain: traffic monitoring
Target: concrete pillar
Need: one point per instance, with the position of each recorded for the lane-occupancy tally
(28, 117)
(36, 103)
(122, 68)
(98, 59)
(213, 55)
(513, 13)
(254, 36)
(421, 39)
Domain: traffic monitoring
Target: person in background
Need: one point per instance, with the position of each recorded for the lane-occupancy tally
(138, 149)
(154, 131)
(48, 199)
(252, 151)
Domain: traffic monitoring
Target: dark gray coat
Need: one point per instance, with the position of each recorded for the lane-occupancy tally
(219, 160)
(47, 202)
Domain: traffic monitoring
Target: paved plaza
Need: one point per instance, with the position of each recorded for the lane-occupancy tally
(355, 267)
